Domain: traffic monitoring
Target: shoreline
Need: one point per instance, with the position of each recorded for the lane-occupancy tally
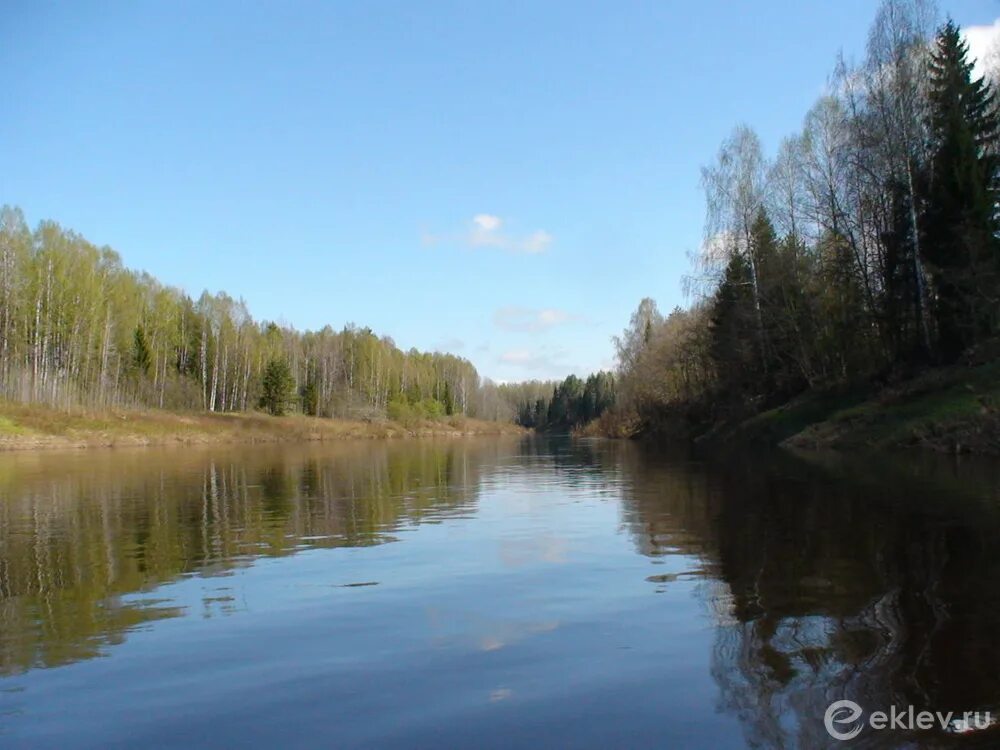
(947, 409)
(31, 427)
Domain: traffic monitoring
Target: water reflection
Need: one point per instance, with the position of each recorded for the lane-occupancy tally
(876, 580)
(585, 593)
(79, 534)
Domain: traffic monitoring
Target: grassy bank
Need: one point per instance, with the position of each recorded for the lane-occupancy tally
(24, 427)
(951, 409)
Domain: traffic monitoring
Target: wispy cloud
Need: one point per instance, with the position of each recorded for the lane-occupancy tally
(536, 242)
(527, 320)
(517, 552)
(984, 46)
(517, 357)
(487, 230)
(487, 222)
(537, 362)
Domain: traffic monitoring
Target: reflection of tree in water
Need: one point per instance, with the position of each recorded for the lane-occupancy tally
(579, 464)
(79, 536)
(278, 489)
(877, 582)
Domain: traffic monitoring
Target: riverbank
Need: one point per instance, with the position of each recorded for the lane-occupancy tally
(952, 409)
(948, 409)
(33, 427)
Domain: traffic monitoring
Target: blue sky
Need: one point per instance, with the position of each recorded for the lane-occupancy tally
(501, 180)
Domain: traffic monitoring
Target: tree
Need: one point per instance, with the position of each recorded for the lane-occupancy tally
(565, 405)
(733, 326)
(894, 72)
(735, 194)
(310, 397)
(636, 337)
(77, 327)
(276, 386)
(140, 351)
(960, 229)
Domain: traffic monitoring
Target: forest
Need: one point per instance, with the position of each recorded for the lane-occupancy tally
(552, 406)
(865, 250)
(78, 328)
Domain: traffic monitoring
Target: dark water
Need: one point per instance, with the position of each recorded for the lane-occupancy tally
(490, 593)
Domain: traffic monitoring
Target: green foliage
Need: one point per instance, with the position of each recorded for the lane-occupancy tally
(961, 226)
(10, 427)
(572, 403)
(141, 358)
(77, 327)
(276, 387)
(869, 249)
(734, 344)
(401, 410)
(310, 398)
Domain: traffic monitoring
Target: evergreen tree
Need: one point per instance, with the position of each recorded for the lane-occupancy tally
(960, 243)
(141, 359)
(310, 394)
(764, 253)
(276, 386)
(899, 300)
(573, 403)
(538, 418)
(733, 338)
(448, 400)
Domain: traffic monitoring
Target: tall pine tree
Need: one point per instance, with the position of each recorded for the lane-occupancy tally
(960, 244)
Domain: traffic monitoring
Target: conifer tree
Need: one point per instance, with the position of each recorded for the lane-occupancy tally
(141, 358)
(733, 339)
(276, 386)
(960, 228)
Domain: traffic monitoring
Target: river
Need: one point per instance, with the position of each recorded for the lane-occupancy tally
(491, 593)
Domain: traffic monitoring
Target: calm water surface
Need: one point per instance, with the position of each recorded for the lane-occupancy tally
(490, 593)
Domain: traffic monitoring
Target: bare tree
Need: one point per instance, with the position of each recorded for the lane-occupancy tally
(735, 194)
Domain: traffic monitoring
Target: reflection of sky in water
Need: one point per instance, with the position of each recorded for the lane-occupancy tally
(531, 603)
(477, 594)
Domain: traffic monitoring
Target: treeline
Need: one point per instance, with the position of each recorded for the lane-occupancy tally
(77, 327)
(867, 248)
(560, 406)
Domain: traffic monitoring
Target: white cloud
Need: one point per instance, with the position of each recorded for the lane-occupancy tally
(527, 320)
(717, 249)
(541, 363)
(487, 222)
(537, 242)
(984, 46)
(517, 357)
(517, 552)
(485, 231)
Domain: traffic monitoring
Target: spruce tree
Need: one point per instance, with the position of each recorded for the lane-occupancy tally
(733, 332)
(960, 244)
(141, 358)
(310, 398)
(276, 386)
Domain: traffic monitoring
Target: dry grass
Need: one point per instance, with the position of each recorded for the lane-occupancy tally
(29, 426)
(611, 424)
